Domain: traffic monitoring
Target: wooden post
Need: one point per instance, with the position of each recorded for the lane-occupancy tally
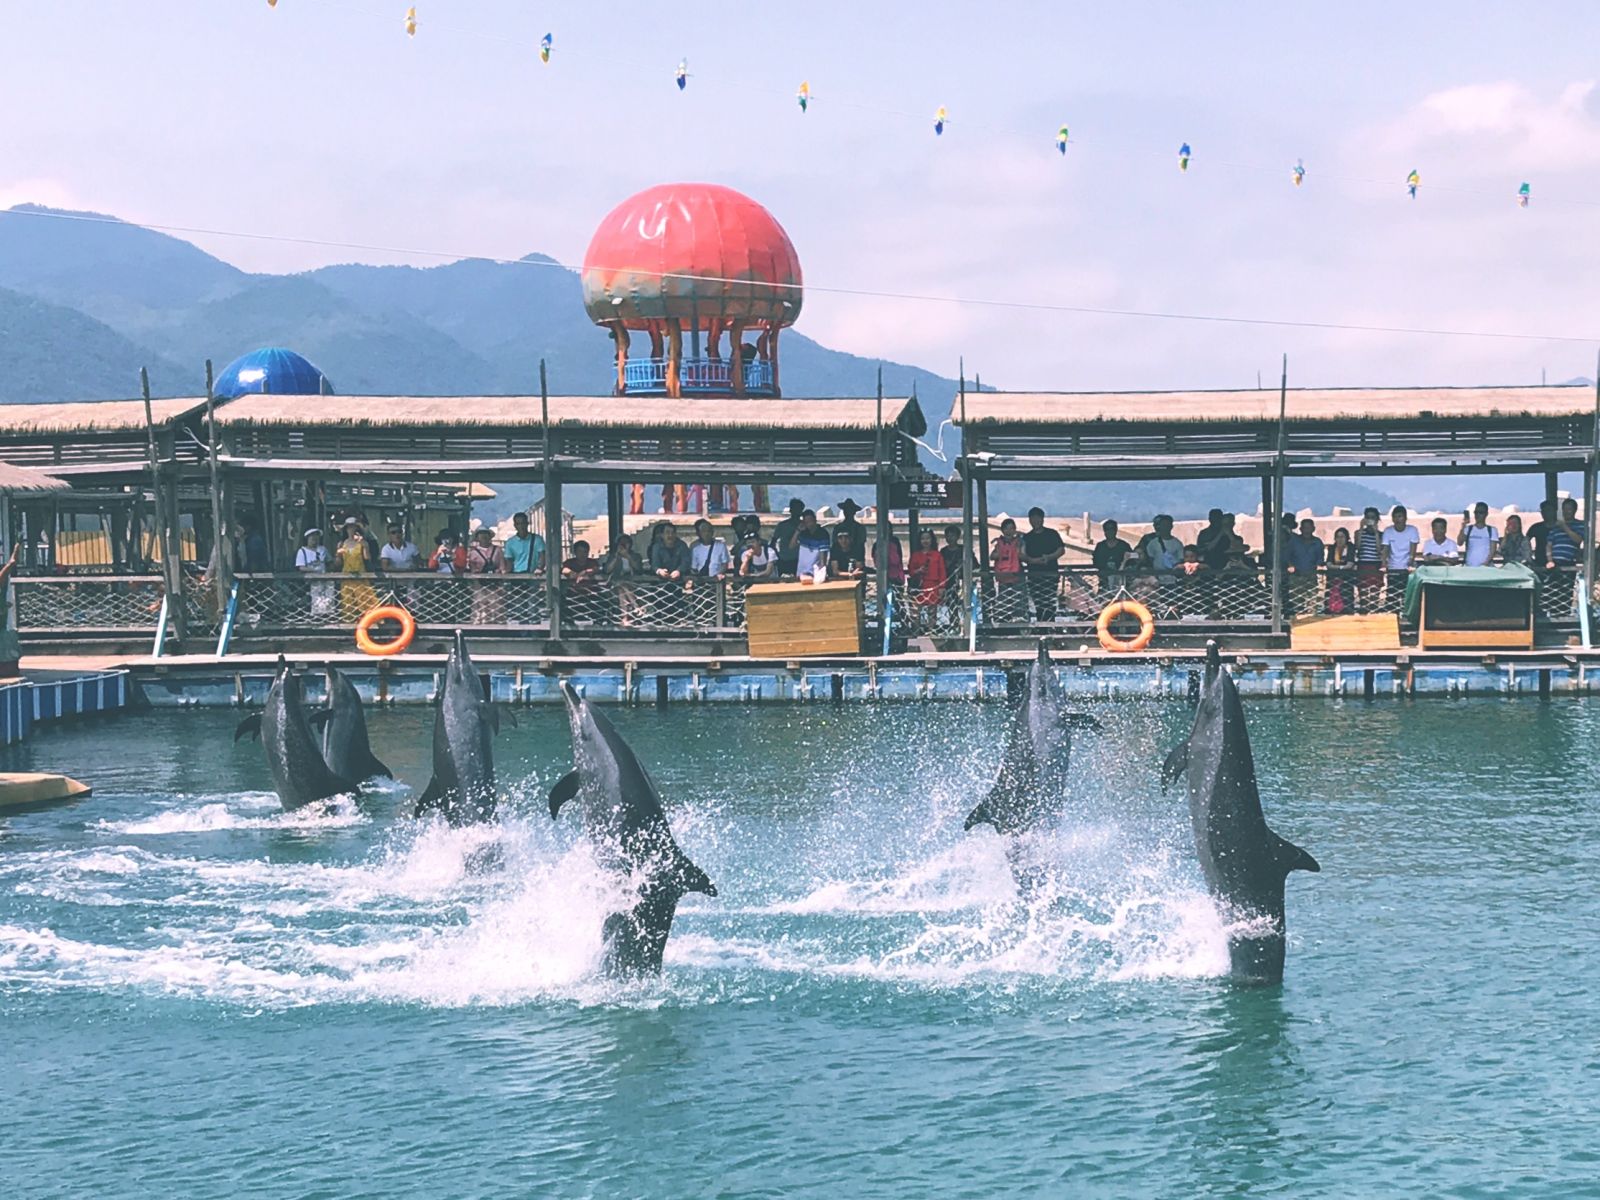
(221, 544)
(613, 513)
(166, 517)
(1550, 481)
(982, 548)
(552, 512)
(1278, 575)
(674, 358)
(967, 624)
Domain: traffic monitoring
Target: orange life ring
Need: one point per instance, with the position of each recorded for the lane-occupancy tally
(1131, 608)
(385, 612)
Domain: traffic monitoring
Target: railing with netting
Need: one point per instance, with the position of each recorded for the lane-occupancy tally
(279, 604)
(103, 604)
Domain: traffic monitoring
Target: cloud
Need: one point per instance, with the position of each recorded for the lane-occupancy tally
(1506, 124)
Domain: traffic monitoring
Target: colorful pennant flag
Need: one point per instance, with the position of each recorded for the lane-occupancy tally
(1061, 139)
(1299, 171)
(411, 22)
(803, 96)
(1183, 157)
(1523, 196)
(939, 118)
(1413, 181)
(544, 47)
(682, 74)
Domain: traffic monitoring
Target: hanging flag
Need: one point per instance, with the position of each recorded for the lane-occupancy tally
(682, 74)
(1413, 181)
(803, 96)
(1061, 139)
(939, 118)
(1183, 157)
(1299, 171)
(411, 22)
(1523, 196)
(544, 47)
(272, 3)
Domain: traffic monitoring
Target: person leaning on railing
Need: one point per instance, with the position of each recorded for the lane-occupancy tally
(1005, 563)
(1303, 553)
(356, 598)
(757, 561)
(620, 569)
(312, 559)
(928, 576)
(485, 558)
(10, 645)
(1340, 595)
(580, 583)
(1514, 547)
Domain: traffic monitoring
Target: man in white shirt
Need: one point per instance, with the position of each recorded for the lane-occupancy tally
(399, 553)
(708, 554)
(1163, 551)
(1400, 541)
(1479, 539)
(1441, 549)
(312, 559)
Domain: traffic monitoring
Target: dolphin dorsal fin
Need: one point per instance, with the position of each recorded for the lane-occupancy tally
(1291, 858)
(250, 725)
(565, 789)
(1074, 720)
(1177, 762)
(319, 716)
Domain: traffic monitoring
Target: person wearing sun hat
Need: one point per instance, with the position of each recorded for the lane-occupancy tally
(857, 532)
(312, 559)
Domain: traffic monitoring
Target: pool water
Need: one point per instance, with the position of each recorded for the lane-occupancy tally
(202, 995)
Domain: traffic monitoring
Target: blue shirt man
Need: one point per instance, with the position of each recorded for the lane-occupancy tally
(524, 551)
(1304, 552)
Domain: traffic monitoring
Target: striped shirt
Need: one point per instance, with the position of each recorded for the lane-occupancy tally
(1369, 547)
(1564, 546)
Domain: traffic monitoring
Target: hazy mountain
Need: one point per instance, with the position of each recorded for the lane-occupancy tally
(101, 297)
(50, 353)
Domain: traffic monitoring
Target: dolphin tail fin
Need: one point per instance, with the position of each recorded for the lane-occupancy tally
(565, 789)
(1082, 721)
(250, 725)
(318, 717)
(1292, 858)
(1177, 762)
(431, 799)
(980, 815)
(493, 714)
(692, 879)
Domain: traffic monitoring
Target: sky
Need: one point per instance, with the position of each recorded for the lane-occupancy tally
(322, 120)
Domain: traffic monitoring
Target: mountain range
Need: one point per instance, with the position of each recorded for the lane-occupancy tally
(87, 299)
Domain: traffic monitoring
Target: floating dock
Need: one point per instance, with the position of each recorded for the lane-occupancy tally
(44, 693)
(242, 680)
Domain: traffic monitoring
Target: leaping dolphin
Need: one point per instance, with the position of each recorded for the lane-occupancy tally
(345, 747)
(463, 785)
(623, 818)
(1245, 863)
(1033, 773)
(299, 773)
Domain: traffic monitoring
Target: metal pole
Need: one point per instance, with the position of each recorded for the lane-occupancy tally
(1590, 525)
(881, 551)
(968, 618)
(552, 515)
(1278, 575)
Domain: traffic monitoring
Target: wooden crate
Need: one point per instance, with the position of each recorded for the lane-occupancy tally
(1348, 631)
(1459, 618)
(791, 620)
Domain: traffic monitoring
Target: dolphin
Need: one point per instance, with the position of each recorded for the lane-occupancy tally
(1245, 864)
(344, 732)
(1033, 772)
(623, 818)
(299, 773)
(464, 725)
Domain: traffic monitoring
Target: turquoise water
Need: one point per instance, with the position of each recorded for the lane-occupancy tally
(201, 995)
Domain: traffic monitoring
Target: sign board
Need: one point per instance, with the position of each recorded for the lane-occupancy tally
(921, 494)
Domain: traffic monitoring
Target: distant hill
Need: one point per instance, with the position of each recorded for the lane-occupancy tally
(93, 298)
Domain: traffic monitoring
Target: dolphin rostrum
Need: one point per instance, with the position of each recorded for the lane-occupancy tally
(299, 773)
(1245, 864)
(345, 747)
(464, 725)
(1033, 773)
(622, 817)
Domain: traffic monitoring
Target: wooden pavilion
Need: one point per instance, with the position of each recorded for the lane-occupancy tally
(1277, 434)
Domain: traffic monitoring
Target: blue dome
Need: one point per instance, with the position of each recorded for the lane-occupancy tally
(279, 372)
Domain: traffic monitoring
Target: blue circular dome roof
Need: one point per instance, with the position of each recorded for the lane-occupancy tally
(273, 370)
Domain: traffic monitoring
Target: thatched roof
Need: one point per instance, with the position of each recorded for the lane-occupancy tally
(98, 416)
(994, 409)
(15, 481)
(573, 412)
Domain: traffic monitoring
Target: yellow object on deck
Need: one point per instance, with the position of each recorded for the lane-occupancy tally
(790, 620)
(23, 790)
(1351, 631)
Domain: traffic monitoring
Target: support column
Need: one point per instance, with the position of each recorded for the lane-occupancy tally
(982, 548)
(966, 545)
(1589, 528)
(620, 332)
(556, 551)
(880, 552)
(736, 356)
(1550, 481)
(613, 513)
(772, 358)
(674, 358)
(1278, 575)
